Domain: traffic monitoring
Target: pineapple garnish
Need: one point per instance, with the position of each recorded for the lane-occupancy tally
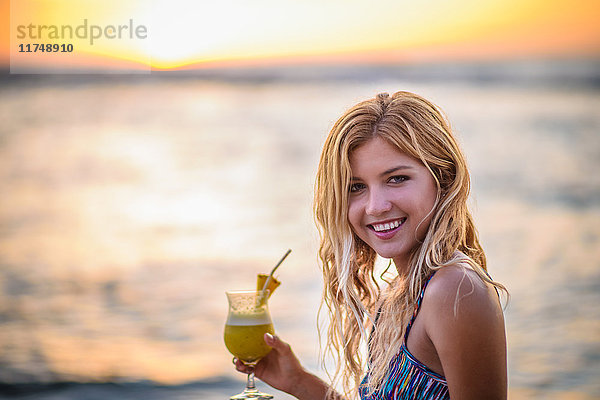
(260, 283)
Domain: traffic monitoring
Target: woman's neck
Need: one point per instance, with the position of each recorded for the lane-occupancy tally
(402, 266)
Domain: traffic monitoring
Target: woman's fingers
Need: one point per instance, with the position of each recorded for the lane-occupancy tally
(240, 366)
(280, 360)
(276, 343)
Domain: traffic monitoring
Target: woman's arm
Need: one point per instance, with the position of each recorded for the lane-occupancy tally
(466, 326)
(282, 370)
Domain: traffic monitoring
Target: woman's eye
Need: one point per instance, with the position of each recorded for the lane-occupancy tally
(355, 187)
(398, 179)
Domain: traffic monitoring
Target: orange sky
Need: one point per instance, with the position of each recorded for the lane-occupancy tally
(194, 33)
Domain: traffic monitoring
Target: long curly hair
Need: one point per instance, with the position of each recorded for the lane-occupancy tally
(351, 293)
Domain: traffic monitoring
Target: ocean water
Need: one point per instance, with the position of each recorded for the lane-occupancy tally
(129, 206)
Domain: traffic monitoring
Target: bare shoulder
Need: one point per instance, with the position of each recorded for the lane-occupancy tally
(456, 290)
(465, 323)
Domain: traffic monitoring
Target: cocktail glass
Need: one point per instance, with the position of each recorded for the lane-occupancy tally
(248, 319)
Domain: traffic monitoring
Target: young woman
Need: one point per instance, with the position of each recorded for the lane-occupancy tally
(392, 181)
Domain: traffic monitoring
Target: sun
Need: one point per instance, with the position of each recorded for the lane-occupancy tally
(185, 32)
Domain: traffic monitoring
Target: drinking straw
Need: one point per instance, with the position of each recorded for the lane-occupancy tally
(266, 285)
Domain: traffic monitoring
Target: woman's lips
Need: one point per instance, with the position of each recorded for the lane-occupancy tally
(387, 229)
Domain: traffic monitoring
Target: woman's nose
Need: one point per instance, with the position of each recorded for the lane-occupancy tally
(378, 203)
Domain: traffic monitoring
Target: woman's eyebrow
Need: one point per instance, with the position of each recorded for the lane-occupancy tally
(387, 171)
(394, 169)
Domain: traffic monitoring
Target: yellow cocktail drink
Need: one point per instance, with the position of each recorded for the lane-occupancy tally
(247, 322)
(246, 342)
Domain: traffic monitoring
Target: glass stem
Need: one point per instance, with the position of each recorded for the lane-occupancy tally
(250, 384)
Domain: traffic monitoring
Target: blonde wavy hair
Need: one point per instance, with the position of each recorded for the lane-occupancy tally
(351, 293)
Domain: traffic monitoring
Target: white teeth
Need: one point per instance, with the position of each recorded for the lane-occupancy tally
(386, 226)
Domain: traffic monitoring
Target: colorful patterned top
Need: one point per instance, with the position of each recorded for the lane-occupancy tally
(408, 378)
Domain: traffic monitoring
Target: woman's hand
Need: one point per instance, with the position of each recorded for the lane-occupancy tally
(282, 370)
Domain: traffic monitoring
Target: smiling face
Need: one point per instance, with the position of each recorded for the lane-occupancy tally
(391, 198)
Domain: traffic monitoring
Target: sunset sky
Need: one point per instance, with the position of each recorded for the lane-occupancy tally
(186, 33)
